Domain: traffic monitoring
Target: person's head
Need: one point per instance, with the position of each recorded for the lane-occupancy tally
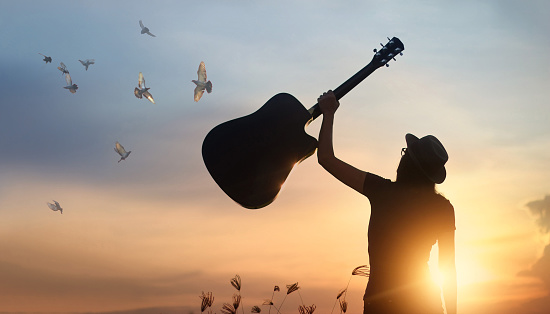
(423, 161)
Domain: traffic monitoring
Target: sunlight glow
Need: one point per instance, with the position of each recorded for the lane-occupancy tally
(468, 270)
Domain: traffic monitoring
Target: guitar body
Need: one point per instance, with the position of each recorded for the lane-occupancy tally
(251, 157)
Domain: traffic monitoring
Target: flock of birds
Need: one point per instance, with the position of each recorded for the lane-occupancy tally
(63, 68)
(141, 91)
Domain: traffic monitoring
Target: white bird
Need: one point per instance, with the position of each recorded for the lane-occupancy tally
(70, 86)
(63, 68)
(145, 30)
(141, 90)
(87, 63)
(55, 207)
(202, 84)
(121, 151)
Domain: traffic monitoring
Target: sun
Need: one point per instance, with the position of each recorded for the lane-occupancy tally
(468, 270)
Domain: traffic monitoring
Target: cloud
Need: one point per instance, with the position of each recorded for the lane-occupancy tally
(535, 306)
(540, 209)
(541, 268)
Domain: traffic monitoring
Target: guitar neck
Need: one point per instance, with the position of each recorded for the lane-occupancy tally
(378, 61)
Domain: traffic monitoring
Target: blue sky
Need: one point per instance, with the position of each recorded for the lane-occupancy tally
(158, 229)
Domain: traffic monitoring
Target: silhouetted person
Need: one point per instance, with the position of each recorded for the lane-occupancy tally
(407, 217)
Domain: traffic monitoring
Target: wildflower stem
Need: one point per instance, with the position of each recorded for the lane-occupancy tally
(281, 306)
(276, 308)
(301, 298)
(334, 306)
(272, 296)
(242, 303)
(346, 292)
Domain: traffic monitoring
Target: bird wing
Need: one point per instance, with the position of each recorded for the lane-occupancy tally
(68, 79)
(202, 72)
(51, 206)
(141, 24)
(149, 33)
(198, 93)
(83, 63)
(120, 149)
(149, 96)
(141, 81)
(90, 61)
(137, 93)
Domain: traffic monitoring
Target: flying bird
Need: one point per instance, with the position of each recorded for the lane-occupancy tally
(87, 63)
(145, 30)
(46, 58)
(141, 90)
(202, 84)
(62, 68)
(70, 86)
(55, 207)
(121, 151)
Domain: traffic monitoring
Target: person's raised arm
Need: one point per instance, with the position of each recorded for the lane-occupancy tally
(446, 244)
(342, 171)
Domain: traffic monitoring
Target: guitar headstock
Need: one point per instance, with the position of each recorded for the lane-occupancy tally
(388, 52)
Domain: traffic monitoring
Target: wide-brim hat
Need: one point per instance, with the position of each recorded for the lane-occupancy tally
(429, 156)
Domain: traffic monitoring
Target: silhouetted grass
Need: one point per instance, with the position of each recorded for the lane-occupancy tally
(227, 308)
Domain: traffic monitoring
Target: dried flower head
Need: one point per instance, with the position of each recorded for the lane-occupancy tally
(268, 302)
(291, 288)
(207, 300)
(344, 305)
(256, 309)
(306, 309)
(341, 293)
(236, 301)
(362, 270)
(228, 309)
(276, 288)
(236, 282)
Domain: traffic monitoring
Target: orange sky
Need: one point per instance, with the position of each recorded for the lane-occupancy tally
(154, 231)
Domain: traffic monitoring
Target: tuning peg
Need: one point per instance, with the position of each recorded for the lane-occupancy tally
(374, 50)
(387, 65)
(398, 50)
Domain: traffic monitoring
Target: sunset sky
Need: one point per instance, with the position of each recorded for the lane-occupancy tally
(151, 233)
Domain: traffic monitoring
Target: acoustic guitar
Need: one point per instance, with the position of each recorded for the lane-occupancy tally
(251, 157)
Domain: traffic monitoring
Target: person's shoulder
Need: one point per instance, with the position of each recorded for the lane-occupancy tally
(374, 179)
(443, 202)
(446, 212)
(373, 183)
(441, 198)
